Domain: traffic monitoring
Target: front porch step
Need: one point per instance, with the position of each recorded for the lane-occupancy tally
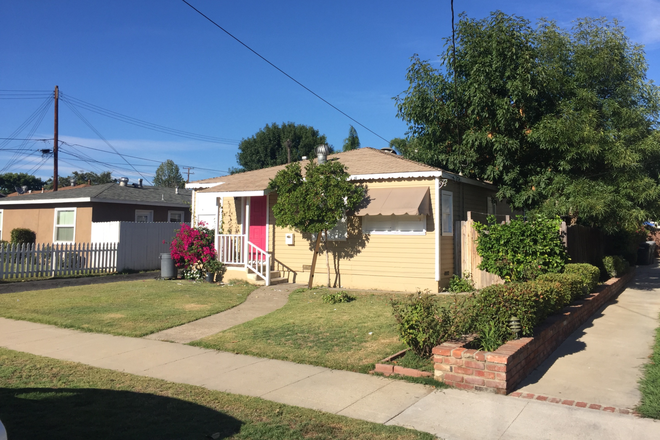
(275, 278)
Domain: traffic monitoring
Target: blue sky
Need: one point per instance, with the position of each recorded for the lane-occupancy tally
(161, 62)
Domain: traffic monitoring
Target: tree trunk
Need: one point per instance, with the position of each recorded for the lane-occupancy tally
(316, 251)
(327, 258)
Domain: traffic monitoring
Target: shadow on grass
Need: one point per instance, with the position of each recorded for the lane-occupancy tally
(73, 413)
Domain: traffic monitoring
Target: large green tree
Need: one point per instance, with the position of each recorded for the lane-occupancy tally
(352, 142)
(563, 121)
(268, 147)
(168, 175)
(9, 182)
(315, 202)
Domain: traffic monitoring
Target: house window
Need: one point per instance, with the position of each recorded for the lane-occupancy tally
(394, 224)
(65, 225)
(175, 216)
(144, 216)
(447, 213)
(492, 206)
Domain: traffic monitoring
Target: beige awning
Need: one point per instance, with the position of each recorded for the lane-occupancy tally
(396, 201)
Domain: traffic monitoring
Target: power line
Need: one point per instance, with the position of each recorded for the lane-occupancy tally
(283, 72)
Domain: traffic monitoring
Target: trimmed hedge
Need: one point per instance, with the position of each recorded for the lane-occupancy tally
(570, 283)
(615, 266)
(589, 274)
(23, 236)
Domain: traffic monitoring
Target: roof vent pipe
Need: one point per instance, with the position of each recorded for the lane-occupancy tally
(140, 182)
(123, 181)
(322, 154)
(176, 190)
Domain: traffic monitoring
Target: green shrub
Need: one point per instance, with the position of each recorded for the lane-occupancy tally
(459, 285)
(615, 266)
(571, 284)
(4, 243)
(521, 250)
(23, 236)
(337, 297)
(418, 322)
(589, 274)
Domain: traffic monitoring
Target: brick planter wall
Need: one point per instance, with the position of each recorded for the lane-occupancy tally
(501, 370)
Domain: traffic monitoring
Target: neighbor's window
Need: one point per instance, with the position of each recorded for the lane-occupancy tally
(144, 216)
(65, 225)
(447, 213)
(394, 224)
(175, 216)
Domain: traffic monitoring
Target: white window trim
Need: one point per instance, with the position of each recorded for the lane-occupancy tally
(442, 215)
(169, 213)
(55, 226)
(149, 212)
(365, 219)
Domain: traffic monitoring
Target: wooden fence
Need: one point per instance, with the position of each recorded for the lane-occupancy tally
(466, 258)
(49, 260)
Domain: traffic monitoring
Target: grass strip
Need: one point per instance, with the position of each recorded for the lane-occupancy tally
(650, 384)
(347, 336)
(126, 308)
(48, 398)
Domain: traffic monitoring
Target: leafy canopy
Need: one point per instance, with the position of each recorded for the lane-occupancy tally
(168, 175)
(267, 147)
(316, 202)
(9, 182)
(563, 121)
(352, 142)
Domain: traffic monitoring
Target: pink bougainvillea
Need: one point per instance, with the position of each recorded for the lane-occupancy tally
(192, 246)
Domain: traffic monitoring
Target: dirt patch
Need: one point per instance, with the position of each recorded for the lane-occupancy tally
(194, 306)
(115, 315)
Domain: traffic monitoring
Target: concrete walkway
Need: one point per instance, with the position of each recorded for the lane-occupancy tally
(260, 302)
(600, 363)
(449, 414)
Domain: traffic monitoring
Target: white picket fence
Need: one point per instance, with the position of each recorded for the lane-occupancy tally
(49, 260)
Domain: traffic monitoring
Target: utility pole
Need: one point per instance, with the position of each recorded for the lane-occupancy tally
(288, 152)
(189, 173)
(55, 142)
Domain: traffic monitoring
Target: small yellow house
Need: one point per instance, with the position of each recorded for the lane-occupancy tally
(403, 239)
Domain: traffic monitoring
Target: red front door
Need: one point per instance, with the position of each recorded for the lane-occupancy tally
(258, 210)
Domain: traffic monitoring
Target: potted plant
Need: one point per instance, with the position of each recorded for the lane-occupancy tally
(214, 270)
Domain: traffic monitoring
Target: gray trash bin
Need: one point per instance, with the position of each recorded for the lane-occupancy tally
(167, 268)
(646, 252)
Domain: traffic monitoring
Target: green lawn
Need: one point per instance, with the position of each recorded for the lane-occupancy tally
(348, 336)
(129, 308)
(43, 398)
(650, 384)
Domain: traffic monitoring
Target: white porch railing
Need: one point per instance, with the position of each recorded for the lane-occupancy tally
(259, 262)
(231, 249)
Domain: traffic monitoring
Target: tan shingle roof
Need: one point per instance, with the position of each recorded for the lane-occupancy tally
(357, 162)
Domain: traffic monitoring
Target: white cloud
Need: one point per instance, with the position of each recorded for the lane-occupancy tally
(641, 18)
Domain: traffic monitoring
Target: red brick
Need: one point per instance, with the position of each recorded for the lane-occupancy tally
(554, 400)
(496, 367)
(484, 374)
(441, 367)
(581, 404)
(527, 396)
(474, 365)
(542, 398)
(469, 354)
(568, 402)
(458, 352)
(410, 372)
(595, 406)
(466, 371)
(499, 359)
(609, 409)
(475, 380)
(516, 394)
(442, 350)
(624, 411)
(463, 386)
(453, 378)
(495, 384)
(500, 376)
(384, 369)
(480, 356)
(452, 361)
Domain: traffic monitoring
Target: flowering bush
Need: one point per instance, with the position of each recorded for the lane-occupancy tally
(192, 248)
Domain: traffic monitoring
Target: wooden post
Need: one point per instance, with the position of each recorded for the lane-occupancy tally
(316, 251)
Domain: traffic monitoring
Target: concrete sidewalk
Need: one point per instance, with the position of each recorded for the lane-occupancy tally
(260, 302)
(449, 414)
(601, 362)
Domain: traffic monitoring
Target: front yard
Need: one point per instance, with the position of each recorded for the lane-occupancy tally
(48, 398)
(128, 308)
(347, 336)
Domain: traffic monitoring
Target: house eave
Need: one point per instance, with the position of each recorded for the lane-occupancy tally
(88, 200)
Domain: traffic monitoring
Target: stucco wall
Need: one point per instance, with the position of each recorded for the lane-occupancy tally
(41, 221)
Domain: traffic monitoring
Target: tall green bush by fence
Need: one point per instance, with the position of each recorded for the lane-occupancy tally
(23, 236)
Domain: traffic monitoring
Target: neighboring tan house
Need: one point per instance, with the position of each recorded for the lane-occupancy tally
(66, 216)
(403, 239)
